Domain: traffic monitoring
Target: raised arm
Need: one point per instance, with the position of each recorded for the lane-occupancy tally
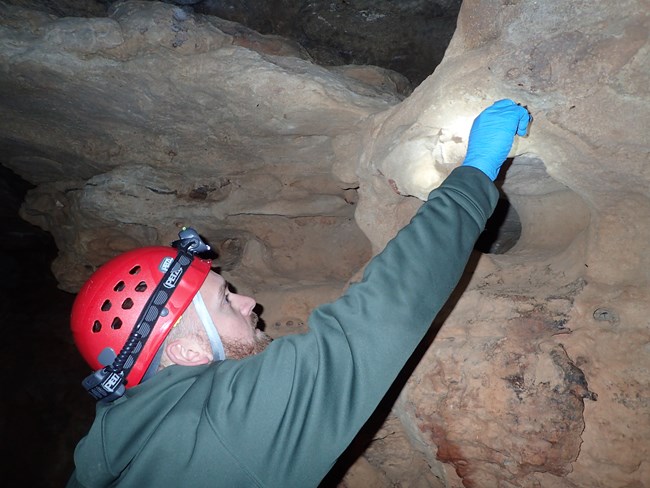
(316, 390)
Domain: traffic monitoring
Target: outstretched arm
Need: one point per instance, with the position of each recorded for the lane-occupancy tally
(315, 391)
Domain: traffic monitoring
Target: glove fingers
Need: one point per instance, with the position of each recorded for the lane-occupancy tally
(524, 120)
(509, 111)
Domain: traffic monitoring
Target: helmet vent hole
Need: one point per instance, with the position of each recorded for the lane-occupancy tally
(106, 306)
(135, 270)
(97, 326)
(119, 287)
(127, 304)
(117, 323)
(142, 286)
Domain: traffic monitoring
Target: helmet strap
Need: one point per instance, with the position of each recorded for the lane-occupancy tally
(218, 353)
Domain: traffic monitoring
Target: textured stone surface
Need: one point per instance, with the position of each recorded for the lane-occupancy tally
(256, 170)
(134, 124)
(408, 37)
(525, 384)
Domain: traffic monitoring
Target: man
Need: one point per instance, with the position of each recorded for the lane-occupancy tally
(215, 410)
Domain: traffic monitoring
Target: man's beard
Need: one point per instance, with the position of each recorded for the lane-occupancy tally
(238, 349)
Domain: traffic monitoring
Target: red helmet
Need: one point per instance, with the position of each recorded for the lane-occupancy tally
(111, 301)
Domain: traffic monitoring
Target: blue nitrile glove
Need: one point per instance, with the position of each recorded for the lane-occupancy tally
(492, 135)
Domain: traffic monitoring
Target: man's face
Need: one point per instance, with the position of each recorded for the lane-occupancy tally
(234, 318)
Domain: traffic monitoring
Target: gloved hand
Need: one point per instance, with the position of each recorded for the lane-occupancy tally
(492, 135)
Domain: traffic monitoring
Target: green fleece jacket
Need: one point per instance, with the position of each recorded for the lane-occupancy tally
(283, 417)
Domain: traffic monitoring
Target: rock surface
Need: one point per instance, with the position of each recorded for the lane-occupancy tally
(535, 378)
(237, 141)
(536, 374)
(407, 37)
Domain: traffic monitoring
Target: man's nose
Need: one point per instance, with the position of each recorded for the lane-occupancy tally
(244, 304)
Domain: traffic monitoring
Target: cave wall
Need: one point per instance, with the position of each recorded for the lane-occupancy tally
(154, 117)
(538, 375)
(407, 37)
(237, 137)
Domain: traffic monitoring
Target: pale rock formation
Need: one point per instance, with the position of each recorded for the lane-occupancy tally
(536, 374)
(172, 119)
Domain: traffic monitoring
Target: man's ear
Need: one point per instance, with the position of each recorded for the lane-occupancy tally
(187, 351)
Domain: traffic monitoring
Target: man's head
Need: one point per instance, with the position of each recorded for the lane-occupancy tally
(188, 343)
(113, 299)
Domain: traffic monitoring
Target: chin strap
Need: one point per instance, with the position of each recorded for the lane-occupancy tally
(218, 354)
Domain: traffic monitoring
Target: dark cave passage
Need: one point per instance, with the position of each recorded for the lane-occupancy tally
(44, 408)
(502, 230)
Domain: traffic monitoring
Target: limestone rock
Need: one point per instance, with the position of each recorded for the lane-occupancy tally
(134, 124)
(578, 185)
(64, 8)
(407, 37)
(227, 135)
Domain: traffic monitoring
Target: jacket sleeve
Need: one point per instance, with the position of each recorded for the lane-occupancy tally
(293, 409)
